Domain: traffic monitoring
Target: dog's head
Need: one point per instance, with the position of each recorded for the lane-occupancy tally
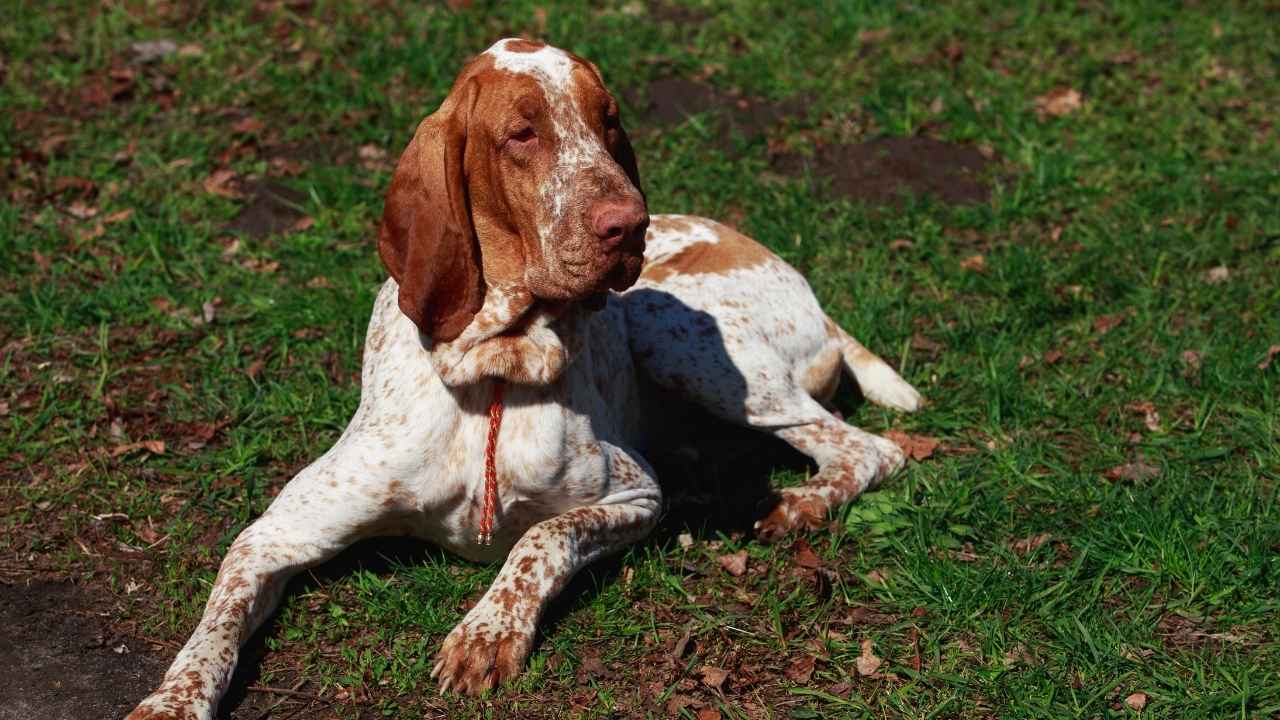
(524, 177)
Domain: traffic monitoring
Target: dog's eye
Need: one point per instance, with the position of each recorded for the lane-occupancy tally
(611, 121)
(524, 135)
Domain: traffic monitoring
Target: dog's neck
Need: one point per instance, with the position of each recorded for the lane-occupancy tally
(515, 338)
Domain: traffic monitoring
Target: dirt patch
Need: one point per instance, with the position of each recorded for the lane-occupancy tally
(272, 208)
(881, 171)
(672, 100)
(64, 659)
(677, 13)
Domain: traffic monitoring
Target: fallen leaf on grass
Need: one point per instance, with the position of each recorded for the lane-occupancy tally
(709, 713)
(877, 577)
(1150, 418)
(591, 667)
(223, 184)
(1136, 701)
(1017, 655)
(1192, 360)
(1272, 351)
(305, 222)
(118, 216)
(867, 662)
(806, 557)
(81, 210)
(974, 263)
(734, 563)
(1028, 545)
(1216, 275)
(155, 447)
(801, 670)
(871, 37)
(916, 447)
(248, 126)
(1106, 323)
(147, 51)
(676, 703)
(1059, 102)
(1133, 472)
(712, 676)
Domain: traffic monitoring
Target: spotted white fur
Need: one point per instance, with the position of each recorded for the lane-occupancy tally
(740, 342)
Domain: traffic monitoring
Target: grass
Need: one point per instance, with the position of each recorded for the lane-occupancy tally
(1099, 520)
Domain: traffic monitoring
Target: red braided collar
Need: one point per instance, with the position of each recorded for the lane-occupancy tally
(490, 466)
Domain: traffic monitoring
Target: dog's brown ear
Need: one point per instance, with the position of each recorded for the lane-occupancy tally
(626, 157)
(427, 241)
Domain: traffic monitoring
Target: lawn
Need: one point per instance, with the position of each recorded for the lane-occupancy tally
(1060, 222)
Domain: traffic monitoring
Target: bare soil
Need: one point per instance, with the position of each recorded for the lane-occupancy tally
(671, 100)
(882, 171)
(272, 208)
(63, 658)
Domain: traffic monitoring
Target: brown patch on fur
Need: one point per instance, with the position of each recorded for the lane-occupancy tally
(821, 378)
(732, 251)
(523, 46)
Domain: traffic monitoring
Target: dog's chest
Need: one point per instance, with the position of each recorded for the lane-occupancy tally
(546, 457)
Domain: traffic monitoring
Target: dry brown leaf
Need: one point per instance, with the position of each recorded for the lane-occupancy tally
(801, 670)
(712, 676)
(305, 222)
(1215, 275)
(676, 703)
(806, 557)
(709, 713)
(734, 563)
(1133, 472)
(223, 183)
(118, 216)
(1136, 701)
(248, 126)
(974, 263)
(93, 232)
(1052, 357)
(1192, 359)
(1058, 102)
(871, 37)
(1106, 323)
(81, 210)
(1272, 351)
(1150, 418)
(1028, 545)
(868, 663)
(916, 447)
(877, 577)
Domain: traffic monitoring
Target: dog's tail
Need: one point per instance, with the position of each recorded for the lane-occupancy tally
(879, 383)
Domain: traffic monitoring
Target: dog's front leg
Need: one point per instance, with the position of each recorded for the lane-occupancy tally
(332, 503)
(491, 643)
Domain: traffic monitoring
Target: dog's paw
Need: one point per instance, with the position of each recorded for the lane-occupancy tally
(796, 510)
(482, 652)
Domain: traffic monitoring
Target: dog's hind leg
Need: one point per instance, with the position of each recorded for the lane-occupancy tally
(849, 462)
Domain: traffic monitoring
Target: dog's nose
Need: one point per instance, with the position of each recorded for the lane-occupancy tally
(616, 220)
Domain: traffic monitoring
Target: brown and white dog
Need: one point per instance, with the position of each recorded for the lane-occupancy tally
(522, 256)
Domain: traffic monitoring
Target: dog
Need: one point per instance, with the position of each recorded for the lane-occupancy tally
(511, 368)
